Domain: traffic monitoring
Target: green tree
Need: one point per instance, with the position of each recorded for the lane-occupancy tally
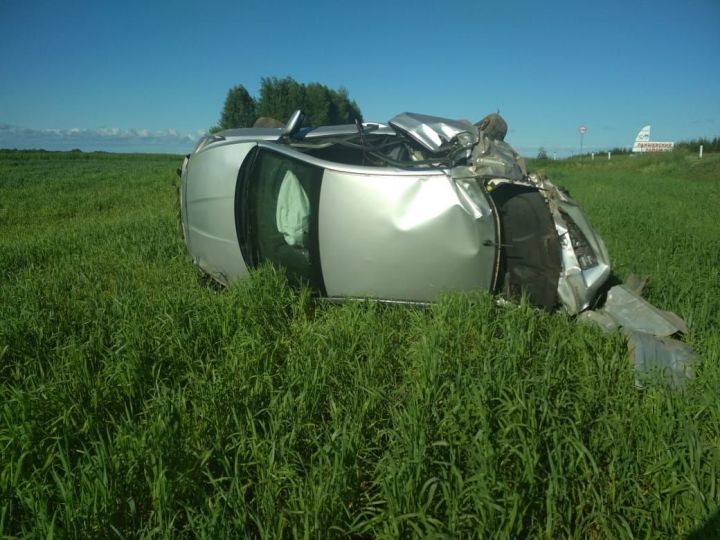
(239, 109)
(279, 98)
(542, 154)
(343, 109)
(317, 104)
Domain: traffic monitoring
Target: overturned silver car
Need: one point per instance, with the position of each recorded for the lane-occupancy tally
(399, 212)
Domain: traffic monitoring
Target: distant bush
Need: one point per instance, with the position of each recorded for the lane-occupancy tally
(709, 145)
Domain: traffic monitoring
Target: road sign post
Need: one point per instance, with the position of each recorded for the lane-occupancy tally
(582, 131)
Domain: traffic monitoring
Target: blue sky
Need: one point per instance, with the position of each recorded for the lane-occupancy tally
(151, 76)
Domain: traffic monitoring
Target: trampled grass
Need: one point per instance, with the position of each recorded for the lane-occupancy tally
(138, 402)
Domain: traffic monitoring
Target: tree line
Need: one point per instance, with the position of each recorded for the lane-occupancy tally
(709, 145)
(279, 98)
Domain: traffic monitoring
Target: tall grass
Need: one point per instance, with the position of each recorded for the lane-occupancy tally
(138, 402)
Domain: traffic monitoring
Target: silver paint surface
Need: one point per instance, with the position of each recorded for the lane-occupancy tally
(633, 312)
(208, 204)
(406, 237)
(433, 132)
(648, 330)
(656, 356)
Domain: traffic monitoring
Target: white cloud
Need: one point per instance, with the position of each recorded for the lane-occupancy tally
(110, 139)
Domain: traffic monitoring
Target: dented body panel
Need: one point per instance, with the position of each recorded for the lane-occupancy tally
(402, 237)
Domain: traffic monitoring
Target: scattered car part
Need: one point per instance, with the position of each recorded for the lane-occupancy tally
(648, 330)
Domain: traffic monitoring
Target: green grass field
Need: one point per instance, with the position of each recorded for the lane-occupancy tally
(137, 401)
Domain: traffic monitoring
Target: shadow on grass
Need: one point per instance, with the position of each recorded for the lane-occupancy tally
(710, 529)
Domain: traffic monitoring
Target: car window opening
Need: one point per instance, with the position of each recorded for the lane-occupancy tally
(281, 208)
(374, 151)
(367, 150)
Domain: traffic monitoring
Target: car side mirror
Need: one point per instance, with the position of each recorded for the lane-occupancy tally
(294, 124)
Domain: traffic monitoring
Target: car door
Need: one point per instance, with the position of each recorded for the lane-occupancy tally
(404, 235)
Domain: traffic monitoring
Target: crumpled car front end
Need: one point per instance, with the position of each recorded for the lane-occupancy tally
(548, 248)
(585, 260)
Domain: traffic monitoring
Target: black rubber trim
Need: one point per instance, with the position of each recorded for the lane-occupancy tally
(244, 216)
